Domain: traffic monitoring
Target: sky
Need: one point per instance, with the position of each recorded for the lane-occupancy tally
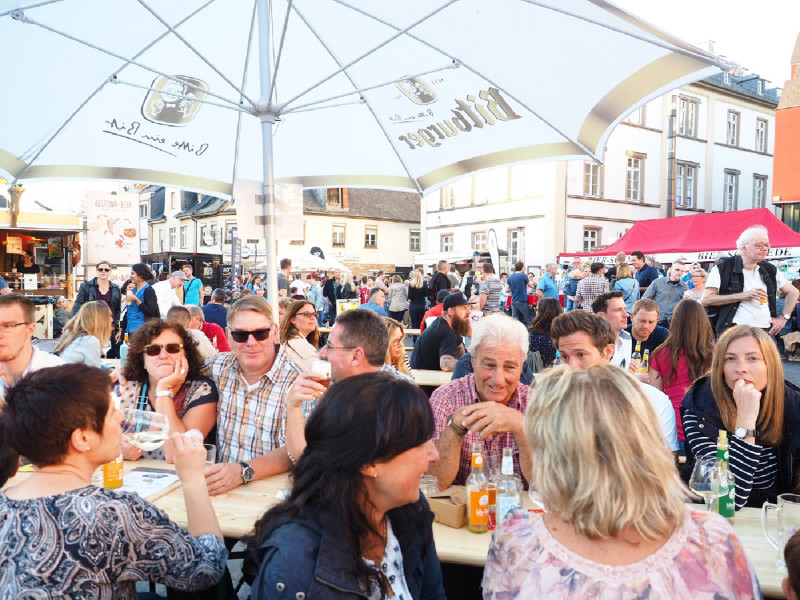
(759, 35)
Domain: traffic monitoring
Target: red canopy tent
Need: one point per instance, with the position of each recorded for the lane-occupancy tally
(698, 238)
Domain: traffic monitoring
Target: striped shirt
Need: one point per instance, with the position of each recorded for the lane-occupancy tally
(753, 466)
(493, 288)
(250, 419)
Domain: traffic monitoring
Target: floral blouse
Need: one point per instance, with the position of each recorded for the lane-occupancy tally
(95, 544)
(193, 392)
(703, 559)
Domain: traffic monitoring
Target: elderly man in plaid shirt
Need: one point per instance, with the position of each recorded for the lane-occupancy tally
(253, 381)
(591, 286)
(486, 406)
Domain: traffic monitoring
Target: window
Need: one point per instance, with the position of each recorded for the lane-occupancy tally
(731, 190)
(591, 238)
(761, 135)
(447, 197)
(414, 241)
(162, 239)
(213, 233)
(687, 117)
(173, 238)
(370, 236)
(333, 197)
(490, 186)
(143, 211)
(301, 241)
(446, 243)
(516, 245)
(732, 137)
(339, 230)
(230, 231)
(685, 184)
(478, 240)
(172, 200)
(591, 180)
(634, 180)
(184, 236)
(636, 117)
(726, 78)
(760, 87)
(759, 190)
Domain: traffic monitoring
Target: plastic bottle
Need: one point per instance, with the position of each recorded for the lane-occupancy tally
(636, 358)
(112, 471)
(725, 505)
(644, 367)
(123, 350)
(507, 490)
(557, 362)
(477, 493)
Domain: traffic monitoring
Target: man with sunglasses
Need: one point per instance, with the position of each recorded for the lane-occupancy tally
(743, 288)
(18, 356)
(253, 381)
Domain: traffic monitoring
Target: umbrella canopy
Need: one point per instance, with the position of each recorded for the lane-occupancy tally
(305, 261)
(405, 95)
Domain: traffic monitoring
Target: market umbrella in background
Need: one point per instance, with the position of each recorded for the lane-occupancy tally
(402, 95)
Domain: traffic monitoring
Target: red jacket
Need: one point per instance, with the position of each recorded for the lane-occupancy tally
(212, 331)
(436, 311)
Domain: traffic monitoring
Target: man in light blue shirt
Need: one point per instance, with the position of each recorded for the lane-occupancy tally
(547, 286)
(377, 298)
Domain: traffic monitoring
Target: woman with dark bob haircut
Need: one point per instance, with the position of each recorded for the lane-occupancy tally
(355, 524)
(163, 375)
(539, 330)
(141, 300)
(63, 536)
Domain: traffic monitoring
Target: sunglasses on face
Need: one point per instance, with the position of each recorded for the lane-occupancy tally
(242, 335)
(155, 349)
(103, 269)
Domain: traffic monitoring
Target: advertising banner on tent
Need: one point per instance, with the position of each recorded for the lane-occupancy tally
(113, 227)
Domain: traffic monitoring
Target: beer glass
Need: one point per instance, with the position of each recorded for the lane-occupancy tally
(788, 511)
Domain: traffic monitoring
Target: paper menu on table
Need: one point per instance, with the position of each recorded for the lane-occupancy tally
(148, 482)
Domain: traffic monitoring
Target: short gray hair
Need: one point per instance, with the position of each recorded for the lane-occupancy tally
(196, 311)
(748, 234)
(549, 266)
(500, 329)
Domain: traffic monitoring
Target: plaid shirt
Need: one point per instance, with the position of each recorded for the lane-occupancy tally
(461, 392)
(589, 288)
(250, 423)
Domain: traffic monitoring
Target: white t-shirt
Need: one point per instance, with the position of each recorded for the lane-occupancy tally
(665, 413)
(39, 360)
(165, 296)
(750, 312)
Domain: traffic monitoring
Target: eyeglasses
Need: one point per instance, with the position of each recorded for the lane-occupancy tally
(760, 246)
(242, 335)
(103, 269)
(9, 327)
(329, 346)
(398, 343)
(312, 315)
(155, 349)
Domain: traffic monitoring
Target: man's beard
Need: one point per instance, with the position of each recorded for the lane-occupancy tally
(461, 326)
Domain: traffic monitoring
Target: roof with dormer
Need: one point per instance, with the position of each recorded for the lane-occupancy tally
(385, 205)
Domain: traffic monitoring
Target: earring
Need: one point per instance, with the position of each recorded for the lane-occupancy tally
(87, 448)
(376, 475)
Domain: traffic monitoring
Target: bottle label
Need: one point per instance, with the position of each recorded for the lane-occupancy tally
(477, 460)
(112, 474)
(727, 504)
(507, 468)
(478, 507)
(505, 503)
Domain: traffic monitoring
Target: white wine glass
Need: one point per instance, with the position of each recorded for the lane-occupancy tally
(145, 429)
(708, 481)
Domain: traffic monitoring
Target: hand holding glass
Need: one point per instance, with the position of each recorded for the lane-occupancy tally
(708, 481)
(147, 430)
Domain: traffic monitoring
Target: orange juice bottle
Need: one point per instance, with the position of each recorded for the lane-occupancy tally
(477, 493)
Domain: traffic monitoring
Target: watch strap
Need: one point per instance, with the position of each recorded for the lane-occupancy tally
(161, 393)
(460, 430)
(787, 316)
(247, 472)
(742, 432)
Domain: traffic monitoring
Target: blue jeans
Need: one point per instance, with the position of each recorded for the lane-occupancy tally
(569, 305)
(522, 312)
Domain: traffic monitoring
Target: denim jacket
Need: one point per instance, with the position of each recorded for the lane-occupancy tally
(306, 559)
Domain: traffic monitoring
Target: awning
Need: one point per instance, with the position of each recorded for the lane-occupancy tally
(697, 238)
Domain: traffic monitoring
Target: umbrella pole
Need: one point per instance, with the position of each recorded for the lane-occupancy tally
(268, 188)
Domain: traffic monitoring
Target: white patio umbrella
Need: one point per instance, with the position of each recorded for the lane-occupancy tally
(375, 93)
(305, 261)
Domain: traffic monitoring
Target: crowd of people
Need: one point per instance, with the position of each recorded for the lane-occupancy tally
(558, 386)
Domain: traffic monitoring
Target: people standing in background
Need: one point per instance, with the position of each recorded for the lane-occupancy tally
(215, 311)
(417, 293)
(61, 315)
(668, 291)
(571, 285)
(518, 282)
(283, 277)
(192, 287)
(165, 292)
(697, 288)
(547, 286)
(626, 284)
(490, 290)
(331, 292)
(141, 300)
(315, 296)
(645, 274)
(397, 296)
(591, 286)
(102, 288)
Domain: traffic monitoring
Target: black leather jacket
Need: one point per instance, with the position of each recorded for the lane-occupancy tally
(88, 293)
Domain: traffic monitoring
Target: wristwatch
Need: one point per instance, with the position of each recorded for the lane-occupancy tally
(460, 430)
(247, 473)
(743, 432)
(164, 393)
(787, 316)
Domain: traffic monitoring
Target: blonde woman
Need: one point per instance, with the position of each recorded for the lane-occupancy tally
(396, 351)
(609, 526)
(417, 292)
(299, 334)
(348, 289)
(86, 334)
(397, 298)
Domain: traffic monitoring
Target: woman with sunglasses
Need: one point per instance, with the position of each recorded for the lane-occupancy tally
(86, 334)
(299, 334)
(141, 299)
(103, 289)
(396, 351)
(162, 374)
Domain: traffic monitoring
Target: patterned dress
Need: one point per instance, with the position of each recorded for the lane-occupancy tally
(95, 544)
(703, 559)
(193, 392)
